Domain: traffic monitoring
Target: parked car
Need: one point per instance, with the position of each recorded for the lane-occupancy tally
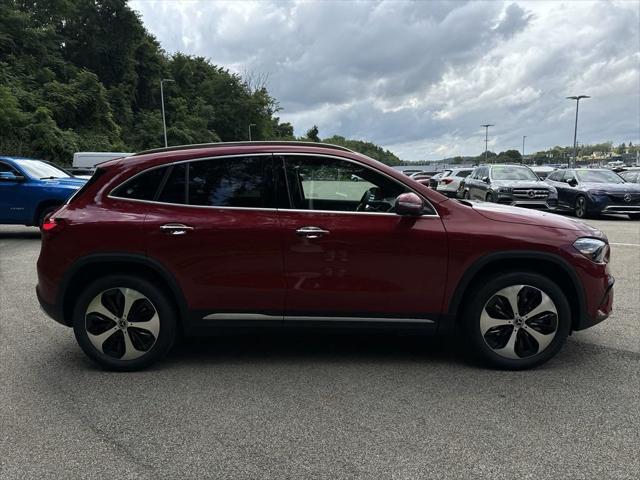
(631, 175)
(433, 181)
(590, 191)
(193, 239)
(448, 184)
(515, 185)
(32, 189)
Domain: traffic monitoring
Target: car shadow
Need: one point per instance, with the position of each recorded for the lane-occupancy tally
(22, 233)
(306, 346)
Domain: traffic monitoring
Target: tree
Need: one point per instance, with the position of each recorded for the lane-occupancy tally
(312, 134)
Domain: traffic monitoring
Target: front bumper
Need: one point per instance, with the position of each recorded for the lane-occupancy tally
(547, 204)
(603, 309)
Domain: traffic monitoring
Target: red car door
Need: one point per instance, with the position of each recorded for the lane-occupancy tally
(215, 228)
(347, 256)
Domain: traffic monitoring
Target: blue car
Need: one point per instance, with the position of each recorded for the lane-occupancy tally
(32, 189)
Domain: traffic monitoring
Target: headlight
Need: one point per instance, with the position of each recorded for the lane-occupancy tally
(597, 192)
(504, 190)
(595, 250)
(553, 192)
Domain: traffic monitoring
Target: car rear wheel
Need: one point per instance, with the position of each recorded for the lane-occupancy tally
(124, 322)
(517, 320)
(580, 208)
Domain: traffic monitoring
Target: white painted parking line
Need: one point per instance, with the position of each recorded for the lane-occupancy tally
(626, 244)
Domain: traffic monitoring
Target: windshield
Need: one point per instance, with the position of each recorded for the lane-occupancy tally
(512, 173)
(38, 169)
(598, 176)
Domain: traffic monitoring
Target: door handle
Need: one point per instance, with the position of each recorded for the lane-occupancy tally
(311, 232)
(175, 228)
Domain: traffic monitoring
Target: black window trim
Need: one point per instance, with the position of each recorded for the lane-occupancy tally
(433, 213)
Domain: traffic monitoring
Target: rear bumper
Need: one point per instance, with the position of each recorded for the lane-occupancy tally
(51, 310)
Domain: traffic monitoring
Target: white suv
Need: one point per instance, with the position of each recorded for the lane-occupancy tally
(449, 184)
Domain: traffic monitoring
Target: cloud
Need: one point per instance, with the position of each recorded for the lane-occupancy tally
(420, 77)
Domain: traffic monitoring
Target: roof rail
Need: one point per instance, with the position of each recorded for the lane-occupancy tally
(233, 144)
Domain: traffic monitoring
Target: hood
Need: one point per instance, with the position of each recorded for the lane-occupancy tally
(65, 182)
(611, 187)
(520, 183)
(506, 213)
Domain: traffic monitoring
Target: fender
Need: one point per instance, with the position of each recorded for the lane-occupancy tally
(470, 273)
(130, 258)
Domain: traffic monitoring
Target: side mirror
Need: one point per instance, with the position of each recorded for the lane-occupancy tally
(409, 204)
(10, 177)
(572, 182)
(485, 179)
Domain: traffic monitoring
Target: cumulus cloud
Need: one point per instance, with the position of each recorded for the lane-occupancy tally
(420, 77)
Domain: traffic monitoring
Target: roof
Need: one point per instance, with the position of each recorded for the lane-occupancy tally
(239, 144)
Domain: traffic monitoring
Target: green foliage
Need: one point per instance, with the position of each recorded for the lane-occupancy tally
(312, 134)
(85, 75)
(366, 148)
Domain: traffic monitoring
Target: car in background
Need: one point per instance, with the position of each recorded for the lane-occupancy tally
(448, 185)
(542, 172)
(433, 181)
(84, 163)
(31, 189)
(422, 177)
(590, 191)
(196, 239)
(631, 175)
(515, 185)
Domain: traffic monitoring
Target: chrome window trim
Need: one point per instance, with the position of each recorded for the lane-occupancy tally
(262, 154)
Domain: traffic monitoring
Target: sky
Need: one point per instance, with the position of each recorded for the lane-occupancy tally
(421, 77)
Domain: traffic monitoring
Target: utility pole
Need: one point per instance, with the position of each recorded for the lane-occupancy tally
(523, 137)
(575, 131)
(486, 139)
(164, 122)
(251, 125)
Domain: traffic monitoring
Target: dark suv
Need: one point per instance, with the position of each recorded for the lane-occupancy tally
(515, 185)
(188, 240)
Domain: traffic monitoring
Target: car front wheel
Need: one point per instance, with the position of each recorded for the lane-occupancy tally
(580, 209)
(517, 320)
(124, 322)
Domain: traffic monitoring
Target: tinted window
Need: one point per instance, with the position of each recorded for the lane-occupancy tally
(175, 187)
(143, 186)
(231, 182)
(556, 176)
(463, 173)
(320, 183)
(7, 168)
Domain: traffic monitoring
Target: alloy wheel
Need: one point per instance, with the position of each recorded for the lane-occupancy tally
(519, 321)
(122, 323)
(581, 207)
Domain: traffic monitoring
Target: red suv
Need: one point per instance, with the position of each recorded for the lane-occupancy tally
(187, 240)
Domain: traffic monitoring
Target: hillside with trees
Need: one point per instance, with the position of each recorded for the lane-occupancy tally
(85, 75)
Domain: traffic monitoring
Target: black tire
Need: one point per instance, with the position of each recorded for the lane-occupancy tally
(45, 213)
(489, 197)
(153, 350)
(466, 195)
(486, 292)
(634, 216)
(580, 208)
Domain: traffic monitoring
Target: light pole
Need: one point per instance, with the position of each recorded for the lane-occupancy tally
(575, 131)
(486, 139)
(164, 122)
(251, 125)
(523, 137)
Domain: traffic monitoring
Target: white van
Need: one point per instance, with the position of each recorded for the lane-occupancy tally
(89, 160)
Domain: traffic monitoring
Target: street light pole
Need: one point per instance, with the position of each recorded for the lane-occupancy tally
(486, 139)
(164, 122)
(251, 125)
(523, 137)
(575, 131)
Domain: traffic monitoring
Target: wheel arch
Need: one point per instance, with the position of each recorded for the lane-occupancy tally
(552, 266)
(42, 205)
(87, 268)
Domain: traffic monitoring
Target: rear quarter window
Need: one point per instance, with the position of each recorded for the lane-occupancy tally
(143, 186)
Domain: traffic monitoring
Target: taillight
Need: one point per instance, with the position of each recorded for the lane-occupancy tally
(50, 224)
(446, 181)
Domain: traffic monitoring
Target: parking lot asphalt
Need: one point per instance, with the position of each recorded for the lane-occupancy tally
(308, 406)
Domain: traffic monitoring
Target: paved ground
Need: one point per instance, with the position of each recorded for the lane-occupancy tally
(317, 407)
